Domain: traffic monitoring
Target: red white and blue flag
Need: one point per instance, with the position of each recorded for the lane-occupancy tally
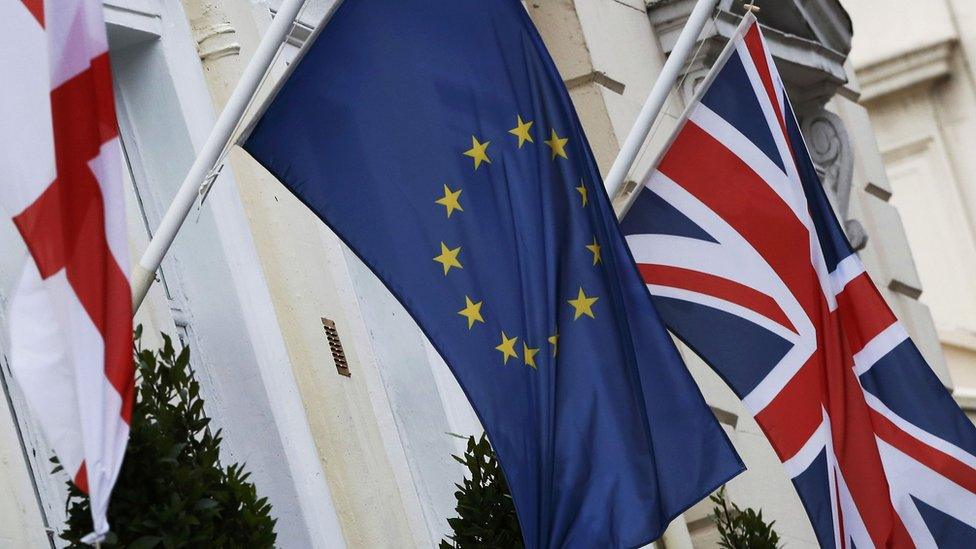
(70, 315)
(748, 265)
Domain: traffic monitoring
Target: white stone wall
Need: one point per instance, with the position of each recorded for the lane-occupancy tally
(365, 460)
(21, 523)
(919, 89)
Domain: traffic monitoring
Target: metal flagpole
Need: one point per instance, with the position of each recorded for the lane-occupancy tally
(659, 94)
(222, 132)
(217, 141)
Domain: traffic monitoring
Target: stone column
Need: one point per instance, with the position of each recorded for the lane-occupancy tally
(305, 273)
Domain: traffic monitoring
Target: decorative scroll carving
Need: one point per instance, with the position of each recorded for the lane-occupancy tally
(830, 149)
(692, 82)
(814, 65)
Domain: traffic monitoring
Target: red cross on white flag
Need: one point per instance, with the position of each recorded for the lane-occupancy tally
(71, 314)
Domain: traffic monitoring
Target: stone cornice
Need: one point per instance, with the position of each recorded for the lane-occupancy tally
(820, 69)
(907, 71)
(810, 58)
(131, 21)
(962, 339)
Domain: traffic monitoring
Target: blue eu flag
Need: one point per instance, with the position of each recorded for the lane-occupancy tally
(438, 141)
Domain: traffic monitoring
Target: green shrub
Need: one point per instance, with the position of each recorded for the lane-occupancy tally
(172, 490)
(742, 529)
(486, 513)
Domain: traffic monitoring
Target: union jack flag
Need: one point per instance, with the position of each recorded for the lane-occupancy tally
(748, 265)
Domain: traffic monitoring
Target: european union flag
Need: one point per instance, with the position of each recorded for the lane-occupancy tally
(438, 141)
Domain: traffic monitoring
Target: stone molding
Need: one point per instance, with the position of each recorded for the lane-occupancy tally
(596, 77)
(215, 36)
(831, 151)
(132, 21)
(812, 66)
(915, 69)
(907, 148)
(966, 399)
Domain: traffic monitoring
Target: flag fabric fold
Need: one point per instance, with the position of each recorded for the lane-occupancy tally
(70, 315)
(438, 141)
(737, 241)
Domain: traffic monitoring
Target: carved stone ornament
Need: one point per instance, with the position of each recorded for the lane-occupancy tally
(810, 40)
(215, 36)
(691, 83)
(831, 151)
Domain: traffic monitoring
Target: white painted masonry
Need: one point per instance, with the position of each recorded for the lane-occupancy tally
(920, 90)
(364, 461)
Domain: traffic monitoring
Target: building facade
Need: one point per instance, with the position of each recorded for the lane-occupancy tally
(272, 304)
(918, 85)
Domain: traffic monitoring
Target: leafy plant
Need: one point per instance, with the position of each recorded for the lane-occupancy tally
(172, 490)
(486, 513)
(742, 529)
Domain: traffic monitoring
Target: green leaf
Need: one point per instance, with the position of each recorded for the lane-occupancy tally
(145, 542)
(741, 528)
(205, 504)
(486, 513)
(183, 360)
(173, 490)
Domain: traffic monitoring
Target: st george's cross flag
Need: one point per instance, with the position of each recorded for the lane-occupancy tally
(437, 139)
(70, 316)
(748, 265)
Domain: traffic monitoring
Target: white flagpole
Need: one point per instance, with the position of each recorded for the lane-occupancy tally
(659, 94)
(221, 134)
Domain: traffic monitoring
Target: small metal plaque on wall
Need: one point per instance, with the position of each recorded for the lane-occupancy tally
(338, 355)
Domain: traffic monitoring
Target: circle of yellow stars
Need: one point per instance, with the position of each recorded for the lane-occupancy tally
(449, 259)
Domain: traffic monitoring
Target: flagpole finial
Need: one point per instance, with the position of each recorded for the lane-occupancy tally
(752, 7)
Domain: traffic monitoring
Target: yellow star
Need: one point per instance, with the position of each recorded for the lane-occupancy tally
(507, 348)
(554, 340)
(595, 249)
(557, 144)
(583, 305)
(471, 311)
(529, 354)
(522, 132)
(478, 151)
(582, 190)
(449, 258)
(450, 200)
